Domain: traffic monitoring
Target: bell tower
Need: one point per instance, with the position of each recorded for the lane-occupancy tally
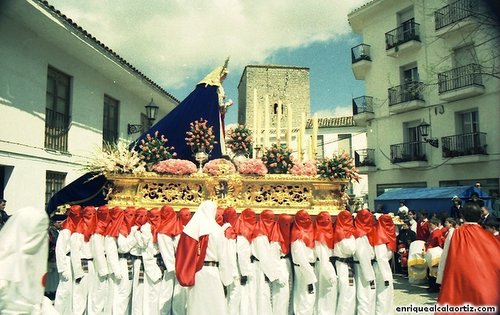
(282, 91)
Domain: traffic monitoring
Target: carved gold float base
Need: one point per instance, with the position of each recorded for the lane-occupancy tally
(280, 193)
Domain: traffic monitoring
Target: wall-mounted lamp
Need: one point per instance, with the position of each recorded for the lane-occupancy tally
(151, 113)
(424, 130)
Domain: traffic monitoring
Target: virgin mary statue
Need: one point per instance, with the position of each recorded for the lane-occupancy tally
(207, 101)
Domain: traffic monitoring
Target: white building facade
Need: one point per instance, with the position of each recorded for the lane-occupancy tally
(62, 95)
(432, 87)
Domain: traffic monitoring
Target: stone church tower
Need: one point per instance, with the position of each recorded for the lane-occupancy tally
(287, 85)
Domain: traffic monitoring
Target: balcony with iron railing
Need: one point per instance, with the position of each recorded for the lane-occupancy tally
(361, 60)
(408, 152)
(404, 38)
(464, 144)
(454, 16)
(362, 109)
(56, 130)
(364, 160)
(405, 97)
(461, 82)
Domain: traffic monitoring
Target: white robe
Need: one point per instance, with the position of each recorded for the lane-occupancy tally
(280, 290)
(266, 266)
(248, 303)
(303, 256)
(363, 274)
(346, 300)
(64, 300)
(326, 295)
(383, 273)
(23, 262)
(100, 300)
(444, 256)
(121, 282)
(234, 289)
(144, 293)
(167, 249)
(206, 296)
(179, 300)
(83, 281)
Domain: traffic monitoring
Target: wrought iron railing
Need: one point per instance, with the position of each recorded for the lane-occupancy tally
(460, 77)
(364, 157)
(464, 144)
(406, 92)
(406, 32)
(362, 104)
(454, 12)
(56, 130)
(360, 52)
(408, 151)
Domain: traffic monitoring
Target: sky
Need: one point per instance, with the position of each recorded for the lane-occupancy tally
(177, 42)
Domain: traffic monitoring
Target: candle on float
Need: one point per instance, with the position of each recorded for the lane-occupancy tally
(254, 125)
(302, 132)
(289, 126)
(299, 144)
(278, 122)
(314, 135)
(266, 122)
(310, 149)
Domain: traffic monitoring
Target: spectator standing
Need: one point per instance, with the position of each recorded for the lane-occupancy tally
(423, 231)
(456, 208)
(403, 209)
(412, 220)
(404, 239)
(435, 240)
(486, 217)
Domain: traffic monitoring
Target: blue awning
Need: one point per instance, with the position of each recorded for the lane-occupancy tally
(434, 199)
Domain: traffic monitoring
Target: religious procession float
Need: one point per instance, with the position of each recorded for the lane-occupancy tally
(188, 157)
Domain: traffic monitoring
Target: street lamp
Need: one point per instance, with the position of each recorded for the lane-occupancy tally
(151, 113)
(424, 130)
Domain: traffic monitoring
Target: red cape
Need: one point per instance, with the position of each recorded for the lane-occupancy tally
(189, 258)
(472, 271)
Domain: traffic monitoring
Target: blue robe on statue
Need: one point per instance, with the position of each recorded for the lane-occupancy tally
(203, 102)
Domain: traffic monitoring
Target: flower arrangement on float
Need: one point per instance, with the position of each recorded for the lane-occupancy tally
(340, 166)
(153, 149)
(175, 167)
(115, 158)
(219, 167)
(277, 159)
(252, 167)
(200, 137)
(239, 140)
(307, 168)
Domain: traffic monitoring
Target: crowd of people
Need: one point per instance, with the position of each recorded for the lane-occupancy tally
(471, 233)
(157, 261)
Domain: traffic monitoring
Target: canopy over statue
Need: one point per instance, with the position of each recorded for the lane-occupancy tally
(207, 101)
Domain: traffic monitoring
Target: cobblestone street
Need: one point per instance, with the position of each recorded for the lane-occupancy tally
(406, 294)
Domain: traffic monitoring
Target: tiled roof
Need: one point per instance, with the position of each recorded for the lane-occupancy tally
(108, 50)
(363, 6)
(332, 122)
